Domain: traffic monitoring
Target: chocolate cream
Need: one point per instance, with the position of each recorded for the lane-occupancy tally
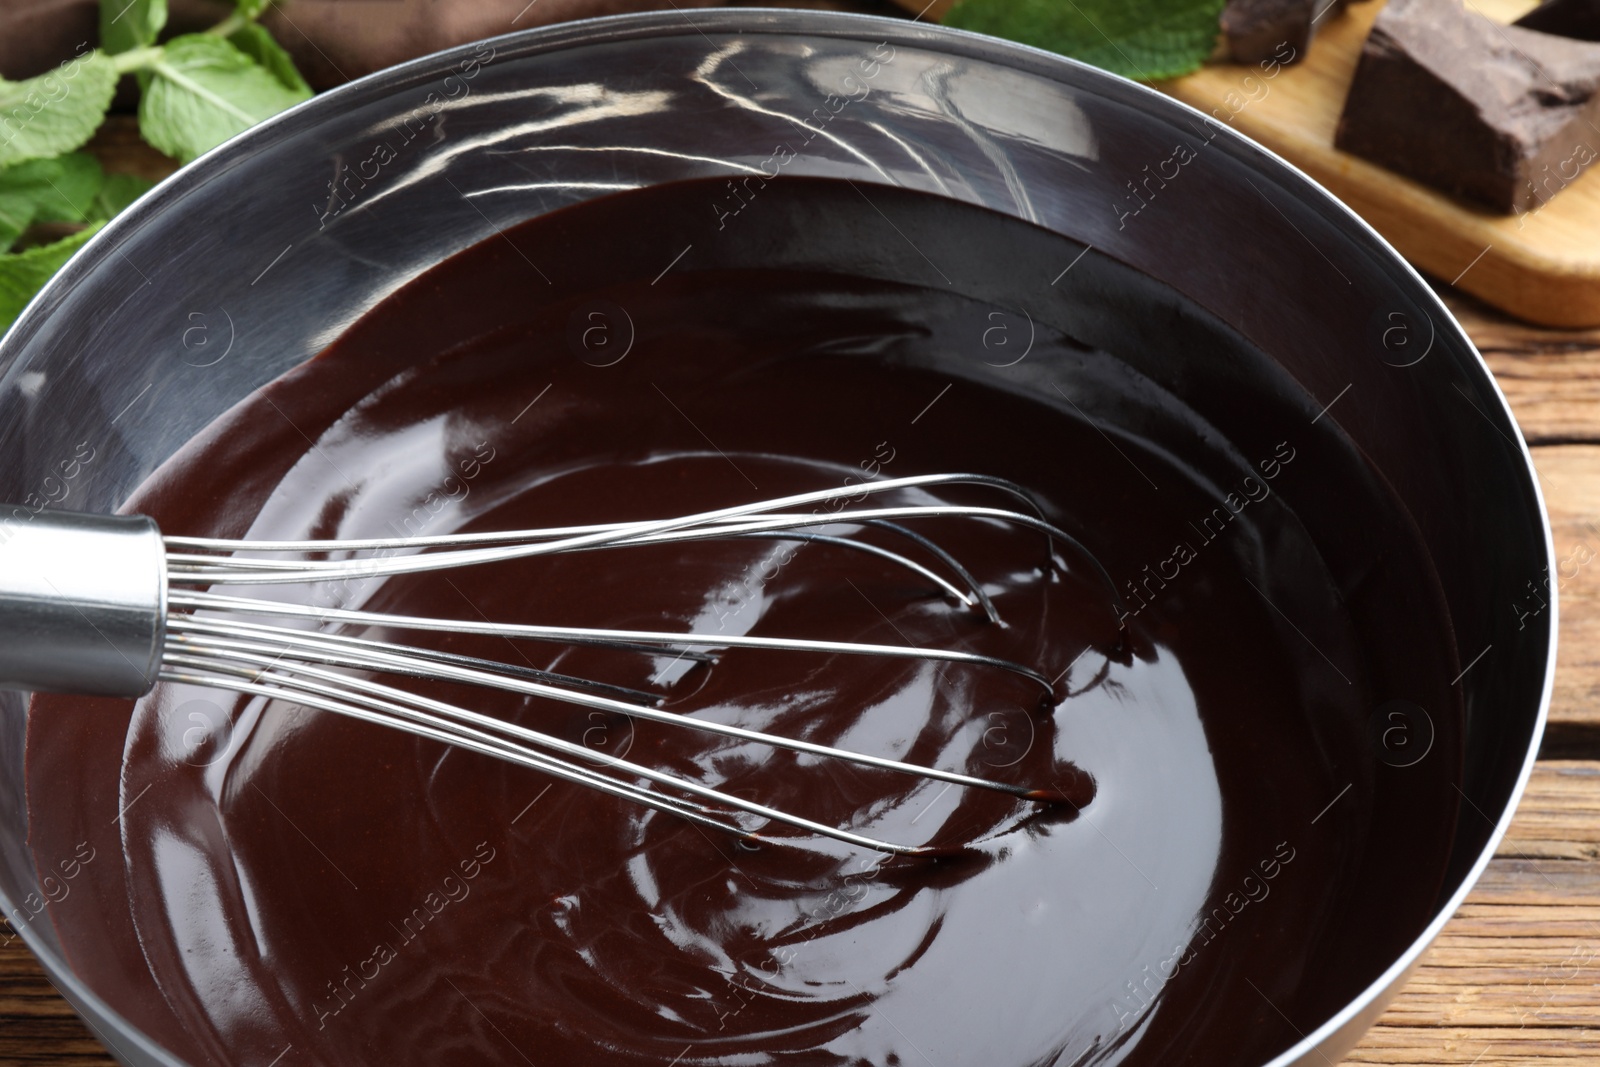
(1241, 853)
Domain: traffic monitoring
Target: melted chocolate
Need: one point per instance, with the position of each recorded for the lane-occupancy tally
(269, 877)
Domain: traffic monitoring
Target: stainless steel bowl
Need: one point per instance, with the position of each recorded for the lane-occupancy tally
(257, 255)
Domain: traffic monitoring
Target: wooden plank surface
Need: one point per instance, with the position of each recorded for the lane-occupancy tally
(36, 1025)
(1570, 477)
(1515, 977)
(1550, 377)
(1543, 266)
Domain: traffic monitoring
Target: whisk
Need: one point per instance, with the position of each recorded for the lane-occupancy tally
(107, 606)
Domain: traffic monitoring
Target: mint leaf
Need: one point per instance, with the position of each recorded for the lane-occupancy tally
(22, 274)
(130, 24)
(202, 91)
(255, 42)
(55, 112)
(64, 187)
(251, 9)
(46, 190)
(116, 194)
(16, 215)
(1145, 39)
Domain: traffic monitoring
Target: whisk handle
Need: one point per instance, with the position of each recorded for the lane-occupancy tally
(83, 602)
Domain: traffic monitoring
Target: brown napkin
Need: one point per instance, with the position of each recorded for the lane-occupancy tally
(332, 41)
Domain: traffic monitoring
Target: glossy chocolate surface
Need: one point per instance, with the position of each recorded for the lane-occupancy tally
(271, 881)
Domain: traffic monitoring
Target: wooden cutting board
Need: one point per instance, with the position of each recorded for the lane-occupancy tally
(1543, 267)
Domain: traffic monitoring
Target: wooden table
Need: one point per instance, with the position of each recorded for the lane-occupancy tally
(1515, 977)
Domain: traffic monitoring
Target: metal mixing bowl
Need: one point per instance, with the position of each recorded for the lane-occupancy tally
(256, 256)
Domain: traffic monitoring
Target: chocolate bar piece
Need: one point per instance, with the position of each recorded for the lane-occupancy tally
(1578, 19)
(1257, 31)
(1502, 116)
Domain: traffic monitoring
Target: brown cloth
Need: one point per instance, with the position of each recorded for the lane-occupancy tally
(332, 41)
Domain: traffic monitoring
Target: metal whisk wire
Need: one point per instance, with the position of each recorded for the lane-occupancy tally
(202, 640)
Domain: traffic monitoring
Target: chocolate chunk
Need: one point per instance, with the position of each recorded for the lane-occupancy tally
(1499, 115)
(1579, 19)
(1258, 31)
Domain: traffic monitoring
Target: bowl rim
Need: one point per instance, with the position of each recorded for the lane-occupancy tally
(913, 32)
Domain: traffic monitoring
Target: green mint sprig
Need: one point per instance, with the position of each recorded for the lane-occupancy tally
(1144, 39)
(196, 91)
